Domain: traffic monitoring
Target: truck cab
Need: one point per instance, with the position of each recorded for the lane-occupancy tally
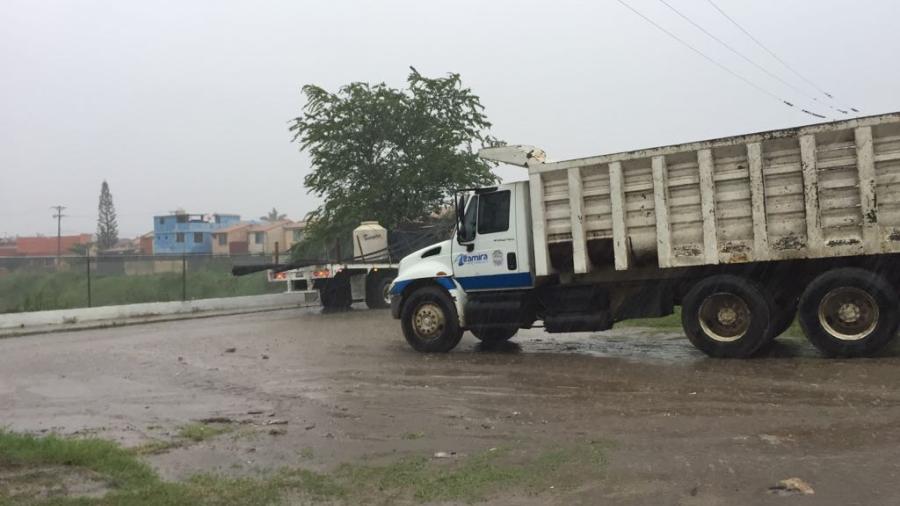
(475, 281)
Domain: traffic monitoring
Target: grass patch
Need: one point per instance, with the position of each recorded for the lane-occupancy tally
(155, 447)
(25, 290)
(192, 432)
(411, 436)
(118, 466)
(419, 479)
(132, 482)
(475, 478)
(201, 431)
(670, 322)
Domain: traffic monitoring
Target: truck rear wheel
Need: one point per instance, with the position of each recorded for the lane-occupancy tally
(429, 321)
(378, 290)
(494, 335)
(849, 312)
(726, 316)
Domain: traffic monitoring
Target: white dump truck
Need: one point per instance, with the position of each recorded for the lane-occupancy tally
(744, 233)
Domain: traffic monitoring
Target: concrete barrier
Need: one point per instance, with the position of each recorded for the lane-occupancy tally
(77, 318)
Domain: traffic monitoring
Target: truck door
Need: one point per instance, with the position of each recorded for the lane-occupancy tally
(489, 258)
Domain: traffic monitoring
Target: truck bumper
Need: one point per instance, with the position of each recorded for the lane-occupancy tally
(395, 306)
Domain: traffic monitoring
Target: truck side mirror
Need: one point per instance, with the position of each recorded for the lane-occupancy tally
(463, 232)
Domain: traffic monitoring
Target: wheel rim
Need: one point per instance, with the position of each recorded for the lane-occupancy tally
(848, 313)
(724, 317)
(386, 293)
(428, 321)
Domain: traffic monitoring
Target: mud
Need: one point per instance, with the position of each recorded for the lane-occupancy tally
(680, 428)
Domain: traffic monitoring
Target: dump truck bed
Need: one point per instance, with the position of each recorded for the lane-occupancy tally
(817, 191)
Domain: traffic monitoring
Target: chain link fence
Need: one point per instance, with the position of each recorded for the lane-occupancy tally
(42, 283)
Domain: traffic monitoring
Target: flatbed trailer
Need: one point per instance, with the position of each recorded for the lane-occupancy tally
(341, 284)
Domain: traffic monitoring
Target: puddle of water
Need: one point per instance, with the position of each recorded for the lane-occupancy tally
(633, 343)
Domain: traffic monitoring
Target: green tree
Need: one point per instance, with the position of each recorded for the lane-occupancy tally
(392, 155)
(107, 228)
(273, 216)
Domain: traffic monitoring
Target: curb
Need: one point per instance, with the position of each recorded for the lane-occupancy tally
(43, 322)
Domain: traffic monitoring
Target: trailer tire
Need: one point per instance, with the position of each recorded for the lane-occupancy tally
(429, 320)
(494, 335)
(335, 294)
(726, 316)
(849, 312)
(377, 286)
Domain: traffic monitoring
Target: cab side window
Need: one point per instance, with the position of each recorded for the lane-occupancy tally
(493, 212)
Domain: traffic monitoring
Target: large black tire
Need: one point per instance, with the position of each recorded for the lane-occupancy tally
(377, 285)
(726, 316)
(429, 320)
(494, 335)
(849, 312)
(335, 294)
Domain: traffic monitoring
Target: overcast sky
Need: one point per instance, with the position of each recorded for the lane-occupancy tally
(186, 103)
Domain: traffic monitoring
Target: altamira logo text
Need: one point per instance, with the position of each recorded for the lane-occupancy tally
(478, 258)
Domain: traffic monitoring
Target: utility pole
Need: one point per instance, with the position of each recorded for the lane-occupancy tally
(59, 216)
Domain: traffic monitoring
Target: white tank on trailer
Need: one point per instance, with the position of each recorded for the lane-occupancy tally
(370, 242)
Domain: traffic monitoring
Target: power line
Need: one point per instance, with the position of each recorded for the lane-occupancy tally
(716, 63)
(746, 58)
(760, 44)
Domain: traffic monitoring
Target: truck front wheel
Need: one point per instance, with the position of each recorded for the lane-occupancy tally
(726, 316)
(849, 312)
(429, 321)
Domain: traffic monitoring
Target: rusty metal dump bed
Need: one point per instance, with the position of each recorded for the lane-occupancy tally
(818, 191)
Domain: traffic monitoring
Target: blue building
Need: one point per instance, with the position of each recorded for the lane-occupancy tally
(179, 233)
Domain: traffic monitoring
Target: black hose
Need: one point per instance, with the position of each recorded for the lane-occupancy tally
(393, 253)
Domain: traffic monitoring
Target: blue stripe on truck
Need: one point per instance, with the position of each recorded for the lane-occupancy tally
(514, 280)
(399, 286)
(491, 282)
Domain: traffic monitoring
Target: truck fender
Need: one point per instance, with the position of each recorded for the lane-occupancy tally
(404, 288)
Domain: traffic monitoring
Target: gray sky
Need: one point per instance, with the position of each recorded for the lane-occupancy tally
(186, 103)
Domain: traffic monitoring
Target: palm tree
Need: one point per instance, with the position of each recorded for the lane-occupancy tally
(273, 216)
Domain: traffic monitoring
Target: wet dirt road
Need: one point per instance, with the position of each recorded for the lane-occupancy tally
(679, 428)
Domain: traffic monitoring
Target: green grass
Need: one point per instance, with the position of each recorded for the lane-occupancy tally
(474, 478)
(416, 479)
(104, 457)
(192, 432)
(155, 447)
(672, 323)
(38, 291)
(201, 432)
